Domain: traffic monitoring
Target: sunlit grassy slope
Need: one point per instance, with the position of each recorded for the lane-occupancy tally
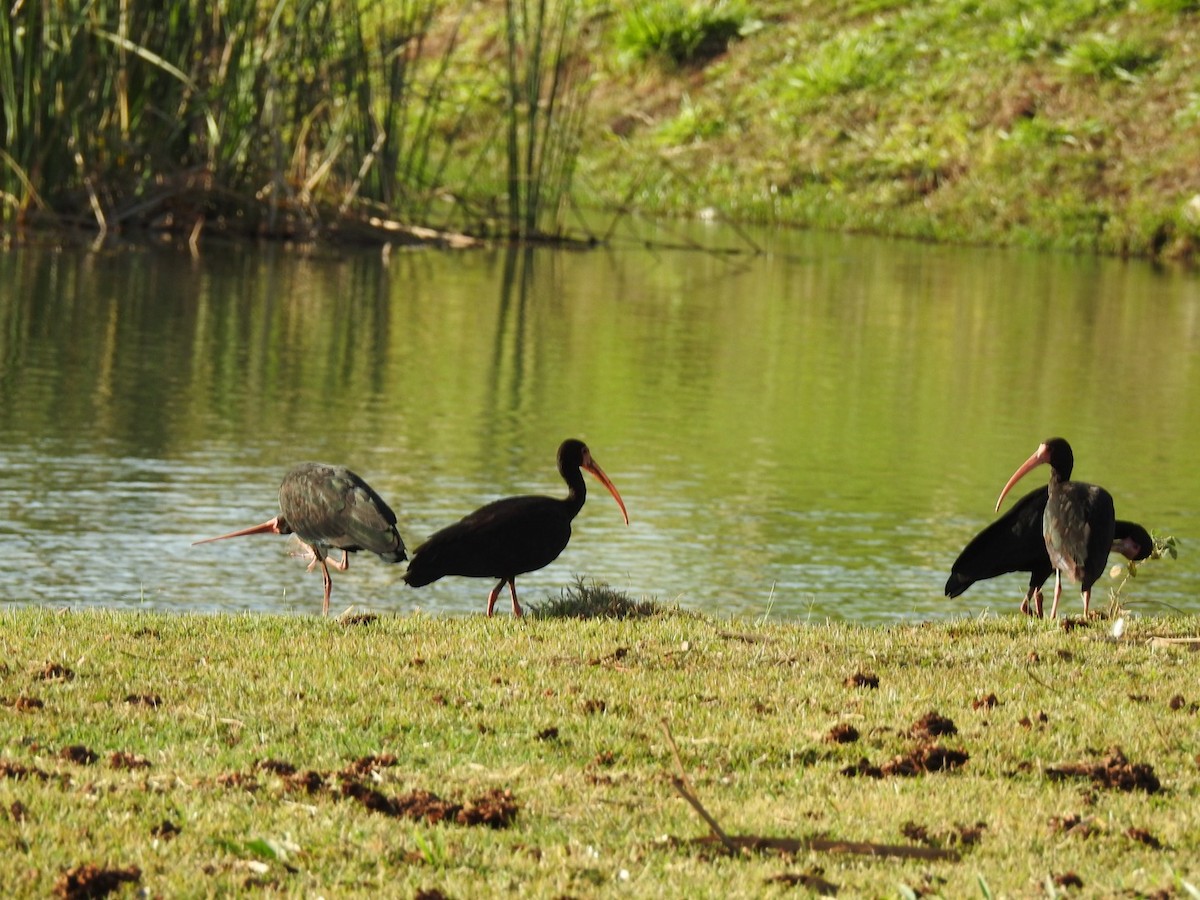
(466, 757)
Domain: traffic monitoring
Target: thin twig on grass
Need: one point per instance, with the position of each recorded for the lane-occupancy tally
(746, 842)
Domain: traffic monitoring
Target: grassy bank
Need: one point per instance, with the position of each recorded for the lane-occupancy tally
(1070, 124)
(193, 756)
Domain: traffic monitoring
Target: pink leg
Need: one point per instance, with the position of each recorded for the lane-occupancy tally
(1025, 602)
(1087, 596)
(512, 589)
(493, 595)
(328, 582)
(1037, 602)
(344, 563)
(1057, 594)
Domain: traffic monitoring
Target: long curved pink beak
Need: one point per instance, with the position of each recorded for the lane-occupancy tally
(1041, 456)
(590, 465)
(276, 526)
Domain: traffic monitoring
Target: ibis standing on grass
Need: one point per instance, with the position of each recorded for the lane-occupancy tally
(512, 536)
(1016, 543)
(1078, 524)
(330, 508)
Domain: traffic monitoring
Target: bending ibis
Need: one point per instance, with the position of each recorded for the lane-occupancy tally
(1015, 543)
(512, 536)
(330, 508)
(1078, 523)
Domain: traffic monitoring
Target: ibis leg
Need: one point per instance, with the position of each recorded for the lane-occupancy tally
(1057, 594)
(344, 563)
(328, 582)
(1037, 602)
(512, 589)
(494, 594)
(1087, 596)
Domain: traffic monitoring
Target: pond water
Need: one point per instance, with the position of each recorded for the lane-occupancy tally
(811, 432)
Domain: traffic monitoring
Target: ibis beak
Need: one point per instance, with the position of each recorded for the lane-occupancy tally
(1041, 456)
(590, 465)
(277, 525)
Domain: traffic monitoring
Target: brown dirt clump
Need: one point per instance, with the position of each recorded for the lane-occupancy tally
(367, 765)
(811, 880)
(863, 768)
(863, 679)
(275, 767)
(18, 772)
(165, 830)
(548, 734)
(986, 702)
(152, 700)
(89, 880)
(78, 754)
(55, 672)
(925, 758)
(1075, 824)
(1114, 772)
(932, 725)
(24, 704)
(1068, 880)
(842, 733)
(963, 835)
(310, 782)
(121, 759)
(1142, 836)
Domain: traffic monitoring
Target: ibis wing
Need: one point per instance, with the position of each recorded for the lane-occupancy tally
(1079, 529)
(332, 506)
(1012, 543)
(501, 540)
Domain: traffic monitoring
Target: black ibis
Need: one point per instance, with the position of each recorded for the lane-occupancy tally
(330, 508)
(1078, 523)
(1015, 543)
(512, 536)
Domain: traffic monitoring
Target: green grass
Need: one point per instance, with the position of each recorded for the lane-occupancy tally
(237, 740)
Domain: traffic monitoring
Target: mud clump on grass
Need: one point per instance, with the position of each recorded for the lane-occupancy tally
(165, 830)
(1068, 880)
(1142, 836)
(89, 881)
(842, 733)
(863, 679)
(1075, 824)
(862, 769)
(310, 782)
(121, 759)
(961, 835)
(55, 672)
(152, 700)
(79, 754)
(932, 725)
(811, 880)
(368, 765)
(18, 772)
(986, 702)
(24, 704)
(925, 758)
(276, 767)
(1114, 772)
(495, 809)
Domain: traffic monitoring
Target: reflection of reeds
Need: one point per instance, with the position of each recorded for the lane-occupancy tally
(261, 114)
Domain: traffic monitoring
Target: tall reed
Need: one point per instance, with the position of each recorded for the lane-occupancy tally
(547, 92)
(256, 112)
